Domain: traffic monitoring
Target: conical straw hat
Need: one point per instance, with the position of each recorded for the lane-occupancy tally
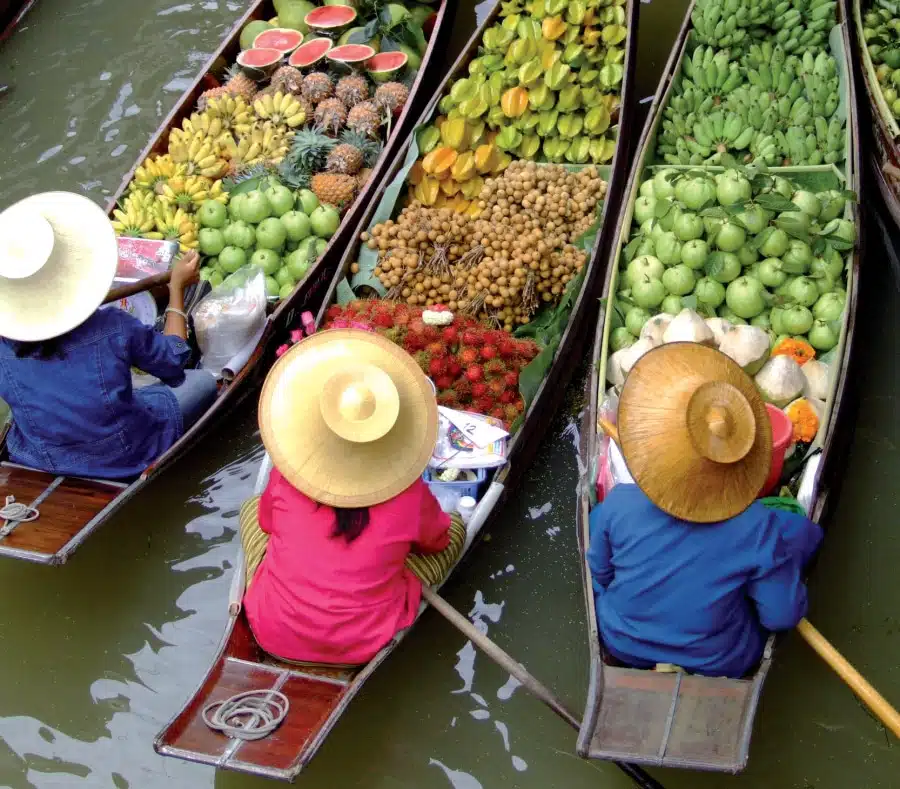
(348, 418)
(694, 432)
(58, 258)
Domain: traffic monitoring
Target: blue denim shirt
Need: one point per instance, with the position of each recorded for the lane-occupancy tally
(78, 414)
(701, 596)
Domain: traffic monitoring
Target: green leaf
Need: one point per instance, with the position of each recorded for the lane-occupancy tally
(775, 202)
(761, 182)
(631, 248)
(689, 301)
(716, 212)
(793, 228)
(792, 268)
(760, 238)
(839, 243)
(818, 246)
(662, 208)
(849, 194)
(715, 264)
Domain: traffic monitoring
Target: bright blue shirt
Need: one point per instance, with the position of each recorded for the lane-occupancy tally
(701, 596)
(77, 414)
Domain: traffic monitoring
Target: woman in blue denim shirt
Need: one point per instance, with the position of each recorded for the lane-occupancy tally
(65, 365)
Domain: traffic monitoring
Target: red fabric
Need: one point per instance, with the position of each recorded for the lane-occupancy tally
(319, 598)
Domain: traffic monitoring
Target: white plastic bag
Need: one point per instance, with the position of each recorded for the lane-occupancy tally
(230, 316)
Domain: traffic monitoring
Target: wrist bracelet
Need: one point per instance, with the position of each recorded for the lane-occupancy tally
(177, 312)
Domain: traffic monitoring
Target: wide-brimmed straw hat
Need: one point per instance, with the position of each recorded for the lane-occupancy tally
(348, 418)
(694, 432)
(58, 258)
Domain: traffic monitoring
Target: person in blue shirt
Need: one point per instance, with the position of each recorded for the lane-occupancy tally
(65, 365)
(687, 568)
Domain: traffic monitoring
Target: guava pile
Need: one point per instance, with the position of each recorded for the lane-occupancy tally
(746, 247)
(881, 32)
(274, 228)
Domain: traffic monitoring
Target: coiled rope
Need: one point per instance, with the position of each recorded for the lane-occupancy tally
(250, 715)
(13, 512)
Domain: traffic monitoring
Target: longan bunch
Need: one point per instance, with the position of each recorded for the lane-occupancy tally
(502, 264)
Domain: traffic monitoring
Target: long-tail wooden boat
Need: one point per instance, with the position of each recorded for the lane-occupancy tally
(12, 12)
(72, 509)
(883, 138)
(675, 719)
(319, 699)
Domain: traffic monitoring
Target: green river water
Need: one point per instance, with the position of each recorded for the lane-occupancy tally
(95, 656)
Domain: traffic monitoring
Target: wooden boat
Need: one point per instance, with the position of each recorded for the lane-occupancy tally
(11, 13)
(72, 509)
(682, 720)
(883, 139)
(319, 698)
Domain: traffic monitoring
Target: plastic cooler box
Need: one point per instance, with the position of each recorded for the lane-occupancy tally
(454, 491)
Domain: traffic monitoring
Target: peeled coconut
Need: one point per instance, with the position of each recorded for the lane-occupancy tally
(688, 326)
(719, 327)
(780, 380)
(614, 372)
(817, 375)
(635, 352)
(655, 328)
(748, 346)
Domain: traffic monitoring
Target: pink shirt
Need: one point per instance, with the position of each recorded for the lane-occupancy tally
(319, 598)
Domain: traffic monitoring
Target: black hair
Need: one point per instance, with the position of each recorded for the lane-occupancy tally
(350, 522)
(44, 349)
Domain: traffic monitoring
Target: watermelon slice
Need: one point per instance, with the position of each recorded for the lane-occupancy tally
(258, 61)
(281, 38)
(330, 18)
(351, 54)
(386, 65)
(310, 53)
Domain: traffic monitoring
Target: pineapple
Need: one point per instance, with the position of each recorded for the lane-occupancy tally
(365, 119)
(212, 93)
(345, 159)
(369, 148)
(392, 96)
(331, 115)
(288, 80)
(239, 84)
(317, 87)
(309, 150)
(362, 178)
(294, 176)
(352, 90)
(334, 189)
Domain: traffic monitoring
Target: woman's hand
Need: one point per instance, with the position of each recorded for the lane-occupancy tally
(186, 271)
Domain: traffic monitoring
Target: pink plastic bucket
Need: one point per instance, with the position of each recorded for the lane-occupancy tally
(782, 435)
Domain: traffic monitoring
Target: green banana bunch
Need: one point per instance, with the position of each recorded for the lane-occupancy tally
(764, 148)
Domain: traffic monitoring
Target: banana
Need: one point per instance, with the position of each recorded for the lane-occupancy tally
(743, 140)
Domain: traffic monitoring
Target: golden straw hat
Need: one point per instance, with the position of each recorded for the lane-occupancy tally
(694, 432)
(348, 418)
(58, 258)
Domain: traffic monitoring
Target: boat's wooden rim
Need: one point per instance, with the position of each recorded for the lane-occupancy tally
(521, 447)
(603, 676)
(305, 296)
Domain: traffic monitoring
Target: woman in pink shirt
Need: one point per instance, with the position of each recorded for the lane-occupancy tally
(350, 422)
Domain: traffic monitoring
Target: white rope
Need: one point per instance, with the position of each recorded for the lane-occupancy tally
(251, 715)
(13, 513)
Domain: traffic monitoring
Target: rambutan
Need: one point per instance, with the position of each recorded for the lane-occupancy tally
(453, 367)
(508, 348)
(483, 405)
(417, 325)
(423, 360)
(508, 397)
(334, 311)
(488, 352)
(437, 366)
(512, 380)
(495, 367)
(430, 333)
(450, 335)
(383, 319)
(401, 318)
(413, 342)
(463, 390)
(467, 356)
(436, 348)
(479, 390)
(472, 337)
(474, 372)
(512, 413)
(448, 398)
(443, 382)
(496, 386)
(498, 412)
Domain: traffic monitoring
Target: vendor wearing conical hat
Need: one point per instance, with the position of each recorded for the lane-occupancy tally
(350, 423)
(687, 568)
(65, 365)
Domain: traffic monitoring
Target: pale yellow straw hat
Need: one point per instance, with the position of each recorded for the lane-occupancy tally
(58, 258)
(694, 432)
(348, 418)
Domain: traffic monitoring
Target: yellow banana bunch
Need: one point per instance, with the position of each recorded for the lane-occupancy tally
(138, 199)
(233, 111)
(189, 192)
(155, 171)
(244, 153)
(281, 109)
(273, 141)
(135, 221)
(174, 224)
(203, 124)
(199, 154)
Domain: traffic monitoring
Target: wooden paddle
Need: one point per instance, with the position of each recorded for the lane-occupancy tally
(841, 666)
(507, 663)
(140, 286)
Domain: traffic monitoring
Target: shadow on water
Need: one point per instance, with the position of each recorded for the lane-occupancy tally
(97, 655)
